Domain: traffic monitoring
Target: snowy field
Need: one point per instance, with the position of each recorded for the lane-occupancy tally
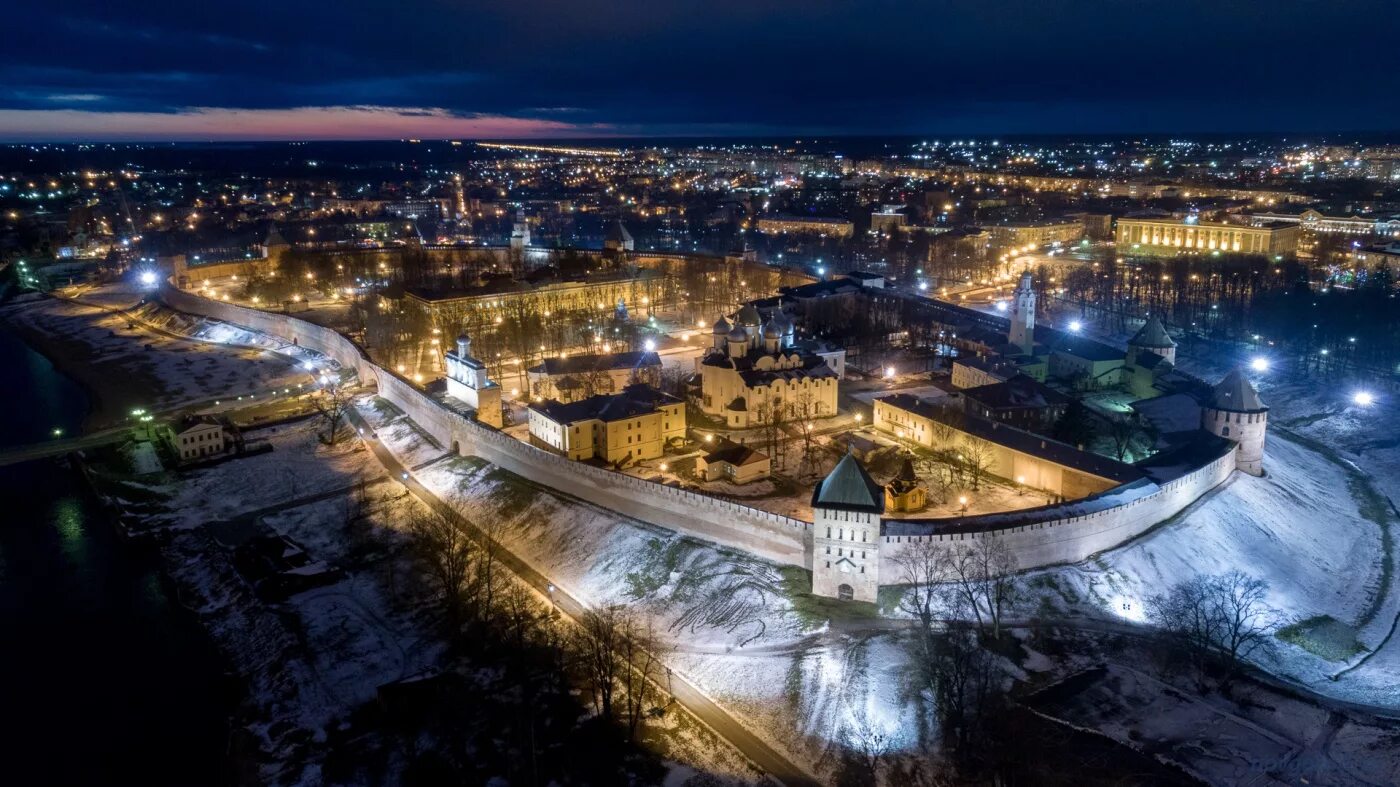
(129, 367)
(299, 467)
(807, 685)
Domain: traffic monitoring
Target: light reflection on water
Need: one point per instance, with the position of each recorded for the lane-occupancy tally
(112, 684)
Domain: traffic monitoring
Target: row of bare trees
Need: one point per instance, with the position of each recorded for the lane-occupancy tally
(957, 592)
(612, 653)
(1215, 621)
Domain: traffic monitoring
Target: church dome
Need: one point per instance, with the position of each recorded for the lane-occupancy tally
(463, 338)
(722, 327)
(772, 330)
(748, 316)
(738, 335)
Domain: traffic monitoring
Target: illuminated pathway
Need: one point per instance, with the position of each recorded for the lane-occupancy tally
(686, 694)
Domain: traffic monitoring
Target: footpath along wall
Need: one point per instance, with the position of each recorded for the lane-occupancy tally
(1062, 533)
(771, 536)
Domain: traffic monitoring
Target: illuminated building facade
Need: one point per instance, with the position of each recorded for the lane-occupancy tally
(1183, 236)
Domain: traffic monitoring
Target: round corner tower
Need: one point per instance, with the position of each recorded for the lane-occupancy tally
(1236, 413)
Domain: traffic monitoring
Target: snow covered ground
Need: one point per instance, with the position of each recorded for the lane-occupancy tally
(298, 467)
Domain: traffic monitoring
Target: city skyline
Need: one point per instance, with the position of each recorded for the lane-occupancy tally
(635, 70)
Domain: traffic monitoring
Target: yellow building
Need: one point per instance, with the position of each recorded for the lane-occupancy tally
(837, 228)
(1003, 451)
(620, 429)
(601, 293)
(1182, 236)
(1036, 233)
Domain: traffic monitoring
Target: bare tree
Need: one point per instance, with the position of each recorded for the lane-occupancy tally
(598, 646)
(447, 552)
(978, 455)
(1127, 434)
(1245, 618)
(924, 566)
(966, 575)
(332, 404)
(1221, 617)
(640, 649)
(996, 569)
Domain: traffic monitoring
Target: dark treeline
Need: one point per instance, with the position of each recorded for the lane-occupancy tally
(1271, 304)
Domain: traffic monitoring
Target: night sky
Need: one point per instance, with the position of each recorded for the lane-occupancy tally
(350, 69)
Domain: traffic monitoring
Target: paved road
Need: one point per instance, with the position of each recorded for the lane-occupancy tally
(687, 695)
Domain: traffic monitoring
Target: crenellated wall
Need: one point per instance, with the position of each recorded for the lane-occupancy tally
(1067, 532)
(1064, 533)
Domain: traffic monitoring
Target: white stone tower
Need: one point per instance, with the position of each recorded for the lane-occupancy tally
(468, 383)
(520, 232)
(1022, 332)
(1236, 413)
(847, 506)
(1153, 338)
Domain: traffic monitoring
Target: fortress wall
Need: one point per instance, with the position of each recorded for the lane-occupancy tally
(1071, 538)
(1066, 538)
(773, 537)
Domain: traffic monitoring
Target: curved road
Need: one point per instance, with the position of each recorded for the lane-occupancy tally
(691, 698)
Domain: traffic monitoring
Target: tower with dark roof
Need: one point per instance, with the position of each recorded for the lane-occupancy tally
(1153, 338)
(618, 239)
(1235, 412)
(847, 507)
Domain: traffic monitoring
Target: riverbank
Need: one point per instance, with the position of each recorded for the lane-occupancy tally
(110, 681)
(124, 365)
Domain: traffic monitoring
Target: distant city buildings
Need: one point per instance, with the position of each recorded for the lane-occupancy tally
(1185, 236)
(800, 225)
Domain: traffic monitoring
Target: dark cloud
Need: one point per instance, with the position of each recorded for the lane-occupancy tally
(729, 66)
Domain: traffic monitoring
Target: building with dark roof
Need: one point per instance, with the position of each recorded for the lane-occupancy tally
(621, 428)
(733, 462)
(582, 376)
(1055, 468)
(1020, 401)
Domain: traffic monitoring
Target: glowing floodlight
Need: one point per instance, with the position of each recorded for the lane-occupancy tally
(1259, 364)
(1363, 398)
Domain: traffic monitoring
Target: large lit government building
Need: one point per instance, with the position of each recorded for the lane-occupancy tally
(1184, 236)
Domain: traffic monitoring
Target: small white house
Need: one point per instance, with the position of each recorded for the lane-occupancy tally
(199, 437)
(733, 462)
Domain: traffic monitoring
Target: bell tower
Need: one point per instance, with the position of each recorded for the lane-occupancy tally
(1022, 333)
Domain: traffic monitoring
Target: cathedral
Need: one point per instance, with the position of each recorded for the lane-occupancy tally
(755, 373)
